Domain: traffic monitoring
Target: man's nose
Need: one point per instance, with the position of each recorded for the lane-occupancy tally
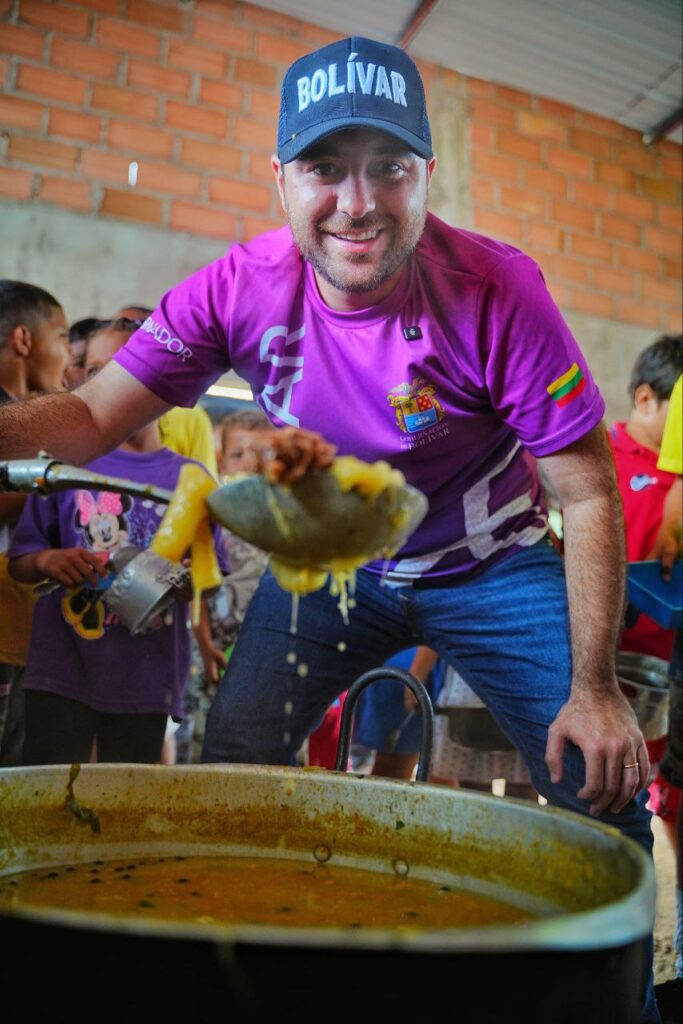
(355, 196)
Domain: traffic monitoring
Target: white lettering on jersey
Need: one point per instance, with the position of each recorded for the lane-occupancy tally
(162, 334)
(286, 383)
(329, 81)
(479, 527)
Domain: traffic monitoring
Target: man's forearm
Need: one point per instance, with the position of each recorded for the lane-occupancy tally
(79, 426)
(58, 424)
(595, 558)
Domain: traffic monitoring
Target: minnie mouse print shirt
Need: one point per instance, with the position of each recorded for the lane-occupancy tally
(78, 648)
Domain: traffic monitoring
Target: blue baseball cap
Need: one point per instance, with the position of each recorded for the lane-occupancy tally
(352, 83)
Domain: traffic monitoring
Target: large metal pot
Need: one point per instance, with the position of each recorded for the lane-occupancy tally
(583, 959)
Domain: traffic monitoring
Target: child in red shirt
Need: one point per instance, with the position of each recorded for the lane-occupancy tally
(635, 446)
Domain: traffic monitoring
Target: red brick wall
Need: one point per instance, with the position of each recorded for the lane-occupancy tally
(191, 94)
(600, 211)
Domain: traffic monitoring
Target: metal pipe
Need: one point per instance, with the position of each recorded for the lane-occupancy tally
(44, 475)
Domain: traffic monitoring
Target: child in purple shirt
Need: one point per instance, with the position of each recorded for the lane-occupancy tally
(88, 678)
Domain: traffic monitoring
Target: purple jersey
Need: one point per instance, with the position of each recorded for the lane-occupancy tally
(78, 649)
(454, 378)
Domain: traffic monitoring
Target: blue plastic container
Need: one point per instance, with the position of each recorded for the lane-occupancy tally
(660, 599)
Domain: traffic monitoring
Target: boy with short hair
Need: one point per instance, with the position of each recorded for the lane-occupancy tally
(635, 445)
(34, 354)
(644, 488)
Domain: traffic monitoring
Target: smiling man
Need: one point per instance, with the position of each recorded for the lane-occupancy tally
(370, 327)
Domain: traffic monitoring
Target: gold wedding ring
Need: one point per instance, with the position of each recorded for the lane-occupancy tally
(635, 764)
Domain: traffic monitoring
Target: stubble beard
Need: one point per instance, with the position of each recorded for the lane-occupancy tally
(351, 274)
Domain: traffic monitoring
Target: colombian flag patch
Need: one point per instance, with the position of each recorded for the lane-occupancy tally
(567, 387)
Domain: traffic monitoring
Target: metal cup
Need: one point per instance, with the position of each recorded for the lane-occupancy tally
(146, 585)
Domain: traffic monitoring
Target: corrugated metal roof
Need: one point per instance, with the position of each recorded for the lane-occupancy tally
(620, 59)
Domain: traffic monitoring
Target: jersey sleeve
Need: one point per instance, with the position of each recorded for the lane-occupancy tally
(182, 347)
(671, 451)
(537, 377)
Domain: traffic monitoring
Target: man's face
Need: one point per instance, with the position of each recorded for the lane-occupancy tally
(50, 354)
(356, 203)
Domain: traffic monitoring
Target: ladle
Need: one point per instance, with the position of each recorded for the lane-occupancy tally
(310, 522)
(313, 521)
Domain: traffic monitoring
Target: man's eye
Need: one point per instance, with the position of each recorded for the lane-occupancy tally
(390, 168)
(324, 170)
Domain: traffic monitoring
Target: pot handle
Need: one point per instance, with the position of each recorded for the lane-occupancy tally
(423, 700)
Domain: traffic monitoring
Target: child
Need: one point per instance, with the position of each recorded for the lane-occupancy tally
(79, 332)
(387, 722)
(88, 678)
(224, 611)
(34, 355)
(644, 488)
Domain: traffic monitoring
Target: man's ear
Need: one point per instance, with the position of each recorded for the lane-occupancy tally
(279, 172)
(20, 341)
(431, 165)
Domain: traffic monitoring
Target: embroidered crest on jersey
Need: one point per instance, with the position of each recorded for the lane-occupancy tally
(416, 406)
(567, 387)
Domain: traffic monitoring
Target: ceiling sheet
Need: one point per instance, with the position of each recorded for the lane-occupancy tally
(620, 59)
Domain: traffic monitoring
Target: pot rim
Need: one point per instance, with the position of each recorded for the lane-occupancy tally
(615, 924)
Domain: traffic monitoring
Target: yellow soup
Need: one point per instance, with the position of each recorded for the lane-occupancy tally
(256, 891)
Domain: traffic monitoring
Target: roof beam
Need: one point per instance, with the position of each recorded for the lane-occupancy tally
(661, 130)
(416, 21)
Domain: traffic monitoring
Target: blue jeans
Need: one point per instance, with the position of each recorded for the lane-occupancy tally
(506, 632)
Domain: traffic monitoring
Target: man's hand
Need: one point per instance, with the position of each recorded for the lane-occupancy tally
(604, 727)
(286, 455)
(71, 566)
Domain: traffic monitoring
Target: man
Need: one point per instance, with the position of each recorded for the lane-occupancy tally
(374, 325)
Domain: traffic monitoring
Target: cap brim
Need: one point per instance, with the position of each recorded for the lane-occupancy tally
(293, 148)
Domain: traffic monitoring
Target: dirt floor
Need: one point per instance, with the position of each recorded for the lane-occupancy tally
(665, 921)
